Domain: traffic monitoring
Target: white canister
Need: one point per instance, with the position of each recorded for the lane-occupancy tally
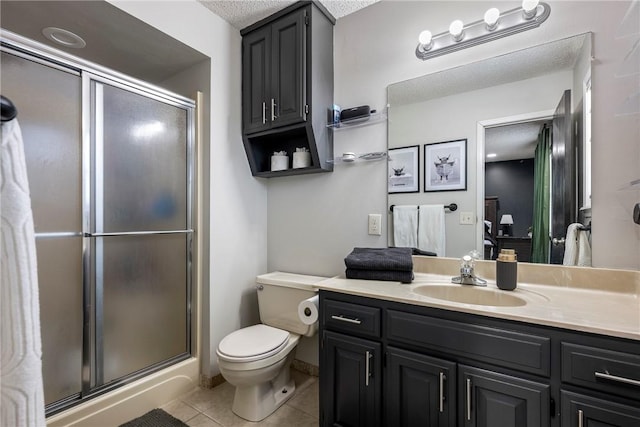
(279, 163)
(301, 159)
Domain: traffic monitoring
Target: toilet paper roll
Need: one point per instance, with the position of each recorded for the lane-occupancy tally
(308, 310)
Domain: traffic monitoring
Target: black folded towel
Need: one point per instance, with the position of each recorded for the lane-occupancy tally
(416, 251)
(384, 275)
(386, 259)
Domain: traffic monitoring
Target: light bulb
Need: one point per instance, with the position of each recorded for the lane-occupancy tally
(456, 29)
(426, 39)
(491, 18)
(529, 8)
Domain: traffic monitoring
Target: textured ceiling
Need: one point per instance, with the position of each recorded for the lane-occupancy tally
(242, 13)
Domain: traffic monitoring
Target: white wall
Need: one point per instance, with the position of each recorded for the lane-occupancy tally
(455, 117)
(238, 202)
(314, 221)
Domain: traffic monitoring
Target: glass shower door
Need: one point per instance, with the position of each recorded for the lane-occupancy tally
(49, 111)
(110, 168)
(141, 234)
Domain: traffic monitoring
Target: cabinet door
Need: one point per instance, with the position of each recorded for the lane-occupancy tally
(350, 381)
(288, 79)
(490, 399)
(256, 78)
(579, 411)
(420, 390)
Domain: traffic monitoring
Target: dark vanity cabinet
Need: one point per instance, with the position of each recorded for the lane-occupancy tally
(384, 363)
(287, 88)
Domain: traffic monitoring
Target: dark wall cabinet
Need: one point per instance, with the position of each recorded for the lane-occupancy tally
(390, 364)
(287, 88)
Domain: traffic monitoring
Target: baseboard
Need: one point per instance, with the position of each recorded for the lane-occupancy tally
(305, 367)
(298, 365)
(211, 382)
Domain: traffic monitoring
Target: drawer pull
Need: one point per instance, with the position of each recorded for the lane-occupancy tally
(346, 319)
(367, 364)
(468, 399)
(624, 380)
(264, 112)
(442, 378)
(580, 418)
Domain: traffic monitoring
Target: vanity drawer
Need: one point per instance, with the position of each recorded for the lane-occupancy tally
(524, 352)
(600, 369)
(352, 318)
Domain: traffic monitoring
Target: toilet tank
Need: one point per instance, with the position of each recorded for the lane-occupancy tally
(278, 297)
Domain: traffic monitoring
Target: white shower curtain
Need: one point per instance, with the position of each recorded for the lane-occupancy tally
(22, 398)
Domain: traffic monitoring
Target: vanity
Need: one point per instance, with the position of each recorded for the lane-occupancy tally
(434, 353)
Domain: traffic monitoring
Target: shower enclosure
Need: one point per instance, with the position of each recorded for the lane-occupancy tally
(110, 167)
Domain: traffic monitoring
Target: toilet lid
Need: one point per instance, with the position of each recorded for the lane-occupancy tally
(253, 343)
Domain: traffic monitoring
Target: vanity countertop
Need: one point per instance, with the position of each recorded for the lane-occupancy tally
(612, 313)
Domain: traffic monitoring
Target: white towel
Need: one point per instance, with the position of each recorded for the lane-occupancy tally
(577, 250)
(405, 226)
(22, 399)
(431, 229)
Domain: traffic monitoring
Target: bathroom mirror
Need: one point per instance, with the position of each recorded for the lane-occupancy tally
(511, 97)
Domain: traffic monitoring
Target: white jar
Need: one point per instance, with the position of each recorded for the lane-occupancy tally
(279, 163)
(301, 159)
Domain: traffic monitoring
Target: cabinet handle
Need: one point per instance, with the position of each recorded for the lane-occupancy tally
(610, 377)
(264, 112)
(367, 368)
(580, 418)
(346, 319)
(442, 378)
(273, 110)
(468, 399)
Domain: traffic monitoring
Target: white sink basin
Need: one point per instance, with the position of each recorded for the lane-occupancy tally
(468, 294)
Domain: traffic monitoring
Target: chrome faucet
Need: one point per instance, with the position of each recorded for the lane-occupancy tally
(467, 275)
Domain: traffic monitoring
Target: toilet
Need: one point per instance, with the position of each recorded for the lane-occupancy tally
(256, 359)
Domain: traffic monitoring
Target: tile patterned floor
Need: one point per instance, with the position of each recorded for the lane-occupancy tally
(212, 407)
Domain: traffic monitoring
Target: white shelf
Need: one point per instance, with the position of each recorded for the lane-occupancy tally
(377, 117)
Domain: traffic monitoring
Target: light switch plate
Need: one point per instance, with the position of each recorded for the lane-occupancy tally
(466, 218)
(375, 224)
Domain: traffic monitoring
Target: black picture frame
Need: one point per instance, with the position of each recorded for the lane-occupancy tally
(404, 170)
(445, 166)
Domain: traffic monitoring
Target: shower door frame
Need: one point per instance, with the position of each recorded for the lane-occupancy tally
(93, 363)
(31, 50)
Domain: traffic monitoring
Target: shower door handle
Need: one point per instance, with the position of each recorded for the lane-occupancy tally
(137, 233)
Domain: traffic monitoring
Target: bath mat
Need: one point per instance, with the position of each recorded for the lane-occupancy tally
(155, 418)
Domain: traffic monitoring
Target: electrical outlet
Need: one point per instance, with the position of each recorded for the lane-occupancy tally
(375, 224)
(466, 218)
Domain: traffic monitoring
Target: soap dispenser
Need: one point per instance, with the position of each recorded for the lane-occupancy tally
(507, 270)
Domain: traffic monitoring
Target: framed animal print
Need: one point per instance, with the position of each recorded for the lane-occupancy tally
(445, 166)
(404, 169)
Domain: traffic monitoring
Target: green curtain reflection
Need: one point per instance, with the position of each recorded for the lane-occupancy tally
(541, 198)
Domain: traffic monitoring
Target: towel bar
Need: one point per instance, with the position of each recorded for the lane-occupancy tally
(452, 207)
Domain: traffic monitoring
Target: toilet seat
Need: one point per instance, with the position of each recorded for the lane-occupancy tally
(252, 343)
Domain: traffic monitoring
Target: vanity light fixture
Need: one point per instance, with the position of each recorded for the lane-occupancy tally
(491, 18)
(495, 25)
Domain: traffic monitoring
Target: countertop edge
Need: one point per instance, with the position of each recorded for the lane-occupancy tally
(340, 284)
